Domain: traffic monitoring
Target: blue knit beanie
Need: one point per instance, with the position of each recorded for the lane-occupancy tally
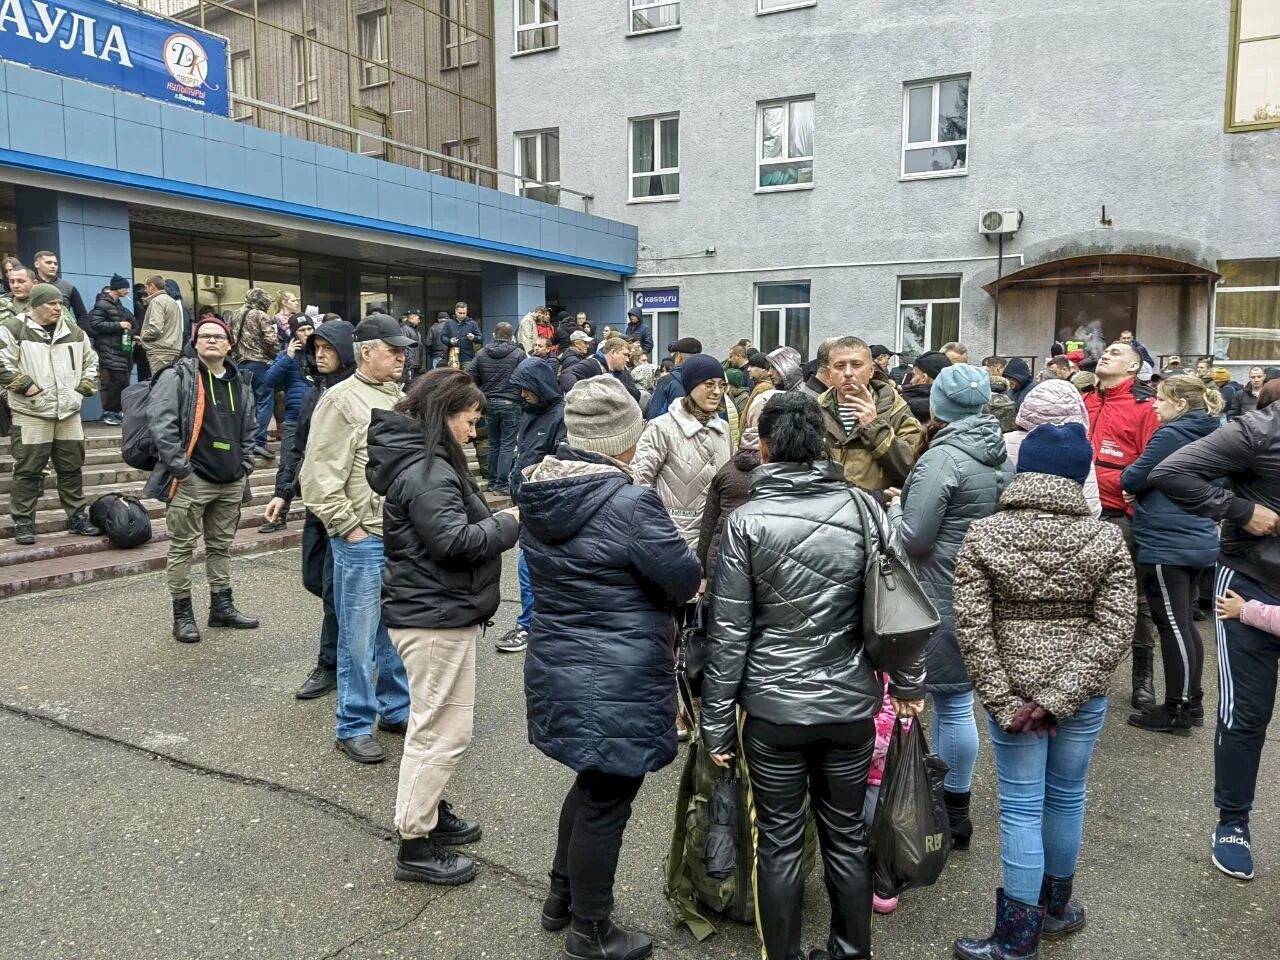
(1061, 450)
(697, 368)
(959, 391)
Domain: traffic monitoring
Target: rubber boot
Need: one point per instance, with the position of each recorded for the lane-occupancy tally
(555, 909)
(604, 940)
(958, 814)
(1016, 937)
(1062, 915)
(184, 621)
(1144, 690)
(223, 612)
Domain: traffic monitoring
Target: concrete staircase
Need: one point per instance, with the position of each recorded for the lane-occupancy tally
(60, 559)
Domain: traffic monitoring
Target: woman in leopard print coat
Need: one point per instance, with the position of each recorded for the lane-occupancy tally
(1045, 605)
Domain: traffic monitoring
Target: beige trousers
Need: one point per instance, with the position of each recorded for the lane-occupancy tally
(441, 665)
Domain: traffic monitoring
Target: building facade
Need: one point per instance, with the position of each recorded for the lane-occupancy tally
(805, 168)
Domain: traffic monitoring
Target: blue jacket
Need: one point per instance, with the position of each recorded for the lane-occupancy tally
(1017, 369)
(1162, 531)
(608, 570)
(639, 331)
(541, 428)
(667, 391)
(286, 374)
(455, 329)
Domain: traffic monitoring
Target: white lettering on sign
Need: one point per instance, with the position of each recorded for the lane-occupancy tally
(112, 47)
(11, 12)
(50, 26)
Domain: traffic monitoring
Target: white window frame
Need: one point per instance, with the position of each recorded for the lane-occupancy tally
(928, 303)
(782, 308)
(238, 57)
(539, 162)
(1217, 333)
(380, 145)
(933, 142)
(537, 25)
(657, 170)
(306, 83)
(468, 150)
(373, 70)
(639, 5)
(762, 11)
(460, 42)
(762, 161)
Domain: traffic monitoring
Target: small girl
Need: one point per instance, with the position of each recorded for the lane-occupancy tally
(1252, 613)
(884, 732)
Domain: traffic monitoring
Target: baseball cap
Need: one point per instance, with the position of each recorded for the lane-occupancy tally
(379, 326)
(578, 336)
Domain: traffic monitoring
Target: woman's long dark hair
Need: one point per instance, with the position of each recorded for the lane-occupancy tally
(928, 431)
(434, 397)
(792, 429)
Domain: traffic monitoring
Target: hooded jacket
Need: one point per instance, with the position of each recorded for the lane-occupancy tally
(492, 369)
(1001, 406)
(1054, 401)
(784, 633)
(172, 289)
(574, 368)
(639, 332)
(956, 481)
(880, 454)
(730, 488)
(1162, 531)
(104, 326)
(253, 330)
(443, 548)
(162, 327)
(600, 670)
(1045, 600)
(678, 455)
(286, 374)
(917, 397)
(1017, 369)
(541, 428)
(1121, 422)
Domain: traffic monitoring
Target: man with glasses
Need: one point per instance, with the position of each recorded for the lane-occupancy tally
(203, 423)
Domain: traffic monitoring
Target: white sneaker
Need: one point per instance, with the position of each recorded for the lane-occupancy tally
(513, 641)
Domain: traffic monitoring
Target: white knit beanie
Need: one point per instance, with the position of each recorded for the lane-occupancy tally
(600, 416)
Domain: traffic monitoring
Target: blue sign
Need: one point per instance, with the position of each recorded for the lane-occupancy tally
(656, 299)
(119, 47)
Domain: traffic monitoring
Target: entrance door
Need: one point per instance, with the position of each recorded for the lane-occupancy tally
(1084, 313)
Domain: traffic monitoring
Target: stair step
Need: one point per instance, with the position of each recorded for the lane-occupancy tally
(96, 436)
(106, 458)
(94, 477)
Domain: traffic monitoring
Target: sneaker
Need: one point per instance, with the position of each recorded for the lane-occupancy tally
(1231, 852)
(80, 525)
(513, 641)
(1196, 712)
(884, 905)
(24, 532)
(112, 419)
(263, 453)
(1163, 718)
(271, 526)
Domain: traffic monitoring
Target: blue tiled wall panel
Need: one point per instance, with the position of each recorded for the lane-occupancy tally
(36, 126)
(138, 148)
(84, 96)
(299, 182)
(34, 84)
(183, 163)
(264, 141)
(4, 123)
(137, 110)
(106, 251)
(185, 123)
(94, 139)
(224, 165)
(362, 197)
(262, 175)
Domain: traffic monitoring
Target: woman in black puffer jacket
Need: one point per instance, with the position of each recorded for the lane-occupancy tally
(730, 488)
(786, 646)
(440, 587)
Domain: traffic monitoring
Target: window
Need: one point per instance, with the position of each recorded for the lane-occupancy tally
(538, 158)
(649, 15)
(655, 158)
(928, 313)
(782, 316)
(241, 84)
(1247, 315)
(773, 6)
(935, 128)
(306, 85)
(537, 25)
(1253, 81)
(459, 33)
(784, 132)
(468, 150)
(371, 39)
(367, 121)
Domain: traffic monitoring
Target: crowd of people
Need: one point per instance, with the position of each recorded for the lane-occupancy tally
(1057, 521)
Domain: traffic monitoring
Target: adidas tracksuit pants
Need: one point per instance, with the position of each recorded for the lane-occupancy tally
(1247, 673)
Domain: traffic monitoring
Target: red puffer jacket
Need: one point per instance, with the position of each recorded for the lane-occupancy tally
(1121, 422)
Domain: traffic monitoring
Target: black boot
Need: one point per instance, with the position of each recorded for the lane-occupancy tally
(958, 814)
(1144, 690)
(319, 682)
(1062, 915)
(451, 829)
(422, 860)
(184, 621)
(604, 940)
(223, 612)
(1016, 937)
(1171, 718)
(24, 532)
(555, 909)
(79, 524)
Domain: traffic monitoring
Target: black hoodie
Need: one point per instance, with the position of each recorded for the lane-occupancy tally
(443, 548)
(342, 336)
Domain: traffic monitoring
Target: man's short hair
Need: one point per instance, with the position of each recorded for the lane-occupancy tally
(31, 274)
(156, 281)
(954, 347)
(503, 331)
(737, 350)
(615, 345)
(41, 254)
(843, 343)
(461, 303)
(1061, 362)
(581, 313)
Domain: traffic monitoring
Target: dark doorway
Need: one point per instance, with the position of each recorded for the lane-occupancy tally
(1084, 313)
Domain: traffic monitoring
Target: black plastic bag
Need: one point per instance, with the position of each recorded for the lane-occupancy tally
(911, 835)
(693, 647)
(123, 519)
(720, 855)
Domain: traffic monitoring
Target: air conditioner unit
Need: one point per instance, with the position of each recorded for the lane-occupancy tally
(992, 222)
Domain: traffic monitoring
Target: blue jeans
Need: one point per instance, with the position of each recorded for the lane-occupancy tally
(264, 397)
(955, 738)
(502, 419)
(526, 594)
(1041, 785)
(363, 642)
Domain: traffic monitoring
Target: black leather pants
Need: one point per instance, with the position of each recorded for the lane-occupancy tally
(829, 764)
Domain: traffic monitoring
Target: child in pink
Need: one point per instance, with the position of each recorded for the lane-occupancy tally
(885, 720)
(1252, 613)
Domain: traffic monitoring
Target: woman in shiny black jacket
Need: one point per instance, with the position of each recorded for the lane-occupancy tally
(786, 647)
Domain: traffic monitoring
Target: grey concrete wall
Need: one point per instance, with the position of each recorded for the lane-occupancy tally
(1073, 104)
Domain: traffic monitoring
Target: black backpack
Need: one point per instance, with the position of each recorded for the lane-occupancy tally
(137, 446)
(123, 519)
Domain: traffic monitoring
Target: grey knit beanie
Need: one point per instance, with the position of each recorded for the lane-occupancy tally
(600, 416)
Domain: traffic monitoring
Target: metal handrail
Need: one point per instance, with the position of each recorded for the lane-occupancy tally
(422, 152)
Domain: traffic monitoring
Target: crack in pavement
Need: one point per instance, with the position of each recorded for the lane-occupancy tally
(531, 889)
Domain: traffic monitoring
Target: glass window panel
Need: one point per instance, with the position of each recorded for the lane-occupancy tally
(773, 122)
(529, 157)
(933, 159)
(1250, 273)
(666, 329)
(929, 288)
(670, 142)
(222, 276)
(786, 173)
(912, 326)
(373, 289)
(642, 146)
(649, 16)
(408, 290)
(548, 10)
(1258, 82)
(798, 330)
(946, 324)
(657, 185)
(953, 110)
(275, 272)
(551, 157)
(781, 293)
(801, 139)
(770, 320)
(1250, 323)
(1259, 18)
(920, 114)
(528, 12)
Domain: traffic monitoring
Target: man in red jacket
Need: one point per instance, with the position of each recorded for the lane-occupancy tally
(1122, 418)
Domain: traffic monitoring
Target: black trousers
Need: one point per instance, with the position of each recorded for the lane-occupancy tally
(1172, 593)
(1144, 629)
(113, 384)
(829, 765)
(594, 814)
(317, 577)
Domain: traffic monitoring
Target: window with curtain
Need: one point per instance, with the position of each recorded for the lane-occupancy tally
(1247, 310)
(538, 158)
(928, 313)
(537, 25)
(371, 39)
(782, 316)
(1253, 95)
(460, 45)
(785, 144)
(935, 128)
(654, 15)
(655, 158)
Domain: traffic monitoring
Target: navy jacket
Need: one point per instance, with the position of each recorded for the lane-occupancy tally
(492, 369)
(599, 677)
(454, 334)
(1162, 531)
(667, 391)
(541, 428)
(639, 331)
(286, 374)
(1017, 369)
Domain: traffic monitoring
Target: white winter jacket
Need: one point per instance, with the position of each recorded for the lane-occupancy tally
(64, 367)
(678, 455)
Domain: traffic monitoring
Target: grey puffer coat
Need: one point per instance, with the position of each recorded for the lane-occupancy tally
(785, 626)
(956, 481)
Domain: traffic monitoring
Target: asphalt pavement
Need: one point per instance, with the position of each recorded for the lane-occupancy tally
(169, 801)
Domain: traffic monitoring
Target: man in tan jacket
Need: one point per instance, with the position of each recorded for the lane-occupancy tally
(335, 489)
(161, 335)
